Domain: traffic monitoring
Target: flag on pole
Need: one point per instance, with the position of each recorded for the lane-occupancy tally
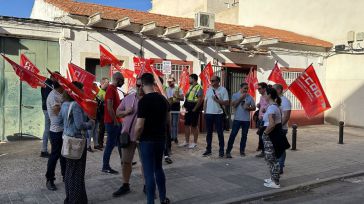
(142, 65)
(252, 82)
(184, 80)
(27, 64)
(277, 76)
(205, 77)
(106, 58)
(89, 105)
(34, 80)
(308, 90)
(85, 77)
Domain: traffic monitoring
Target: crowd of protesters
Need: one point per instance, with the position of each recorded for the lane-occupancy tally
(147, 122)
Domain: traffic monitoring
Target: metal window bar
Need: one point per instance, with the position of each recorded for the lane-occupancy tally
(290, 77)
(176, 71)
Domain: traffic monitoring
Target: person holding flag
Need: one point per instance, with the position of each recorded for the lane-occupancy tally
(112, 122)
(75, 124)
(286, 107)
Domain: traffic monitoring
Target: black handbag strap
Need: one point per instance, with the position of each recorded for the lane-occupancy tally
(223, 109)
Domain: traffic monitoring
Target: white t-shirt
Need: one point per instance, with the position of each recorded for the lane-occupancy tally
(272, 109)
(285, 106)
(212, 107)
(54, 99)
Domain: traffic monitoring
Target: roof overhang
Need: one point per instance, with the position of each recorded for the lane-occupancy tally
(196, 34)
(235, 39)
(151, 28)
(127, 25)
(174, 32)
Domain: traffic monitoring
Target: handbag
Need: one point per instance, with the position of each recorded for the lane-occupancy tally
(124, 138)
(72, 147)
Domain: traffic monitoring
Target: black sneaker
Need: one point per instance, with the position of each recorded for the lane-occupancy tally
(50, 185)
(166, 201)
(89, 149)
(44, 154)
(168, 160)
(228, 155)
(110, 171)
(260, 155)
(242, 154)
(176, 141)
(281, 171)
(124, 189)
(207, 153)
(221, 155)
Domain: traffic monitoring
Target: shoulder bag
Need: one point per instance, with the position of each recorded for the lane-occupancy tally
(72, 147)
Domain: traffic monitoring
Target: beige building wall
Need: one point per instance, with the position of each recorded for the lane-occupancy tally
(223, 10)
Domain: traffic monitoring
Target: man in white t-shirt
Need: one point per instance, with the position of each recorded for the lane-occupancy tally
(216, 98)
(286, 107)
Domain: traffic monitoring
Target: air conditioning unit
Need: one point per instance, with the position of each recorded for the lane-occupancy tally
(205, 21)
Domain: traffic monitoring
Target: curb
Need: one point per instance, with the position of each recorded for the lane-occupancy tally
(269, 193)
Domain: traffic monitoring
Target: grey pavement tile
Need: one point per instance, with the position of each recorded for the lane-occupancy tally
(4, 198)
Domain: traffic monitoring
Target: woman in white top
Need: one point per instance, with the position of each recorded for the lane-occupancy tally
(272, 140)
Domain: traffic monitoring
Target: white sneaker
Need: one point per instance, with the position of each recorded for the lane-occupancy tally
(272, 185)
(268, 180)
(192, 145)
(183, 145)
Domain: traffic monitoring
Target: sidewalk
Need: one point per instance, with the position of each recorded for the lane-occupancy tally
(191, 178)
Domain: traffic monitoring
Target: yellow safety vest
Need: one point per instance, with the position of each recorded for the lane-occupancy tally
(191, 95)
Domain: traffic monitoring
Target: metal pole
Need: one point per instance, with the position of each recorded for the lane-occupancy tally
(294, 136)
(341, 132)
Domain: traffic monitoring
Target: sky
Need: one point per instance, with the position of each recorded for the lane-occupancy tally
(22, 8)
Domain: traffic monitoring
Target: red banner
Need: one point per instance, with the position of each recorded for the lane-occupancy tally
(85, 77)
(252, 83)
(34, 80)
(184, 81)
(277, 76)
(142, 66)
(87, 104)
(308, 90)
(27, 64)
(106, 58)
(205, 77)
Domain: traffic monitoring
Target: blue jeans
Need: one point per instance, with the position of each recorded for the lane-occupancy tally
(93, 134)
(234, 131)
(217, 120)
(47, 125)
(282, 159)
(113, 133)
(152, 157)
(174, 125)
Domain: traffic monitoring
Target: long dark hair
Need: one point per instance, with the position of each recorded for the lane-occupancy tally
(274, 95)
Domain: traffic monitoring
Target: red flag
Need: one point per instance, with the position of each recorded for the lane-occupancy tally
(27, 64)
(87, 104)
(277, 76)
(205, 77)
(131, 83)
(106, 58)
(142, 66)
(159, 84)
(127, 73)
(184, 80)
(85, 77)
(34, 80)
(252, 83)
(308, 90)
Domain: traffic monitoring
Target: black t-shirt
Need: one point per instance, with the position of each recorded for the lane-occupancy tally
(153, 107)
(44, 91)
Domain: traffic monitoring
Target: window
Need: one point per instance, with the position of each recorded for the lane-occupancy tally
(176, 70)
(290, 77)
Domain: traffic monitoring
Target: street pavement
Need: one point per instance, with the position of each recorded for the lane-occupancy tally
(191, 178)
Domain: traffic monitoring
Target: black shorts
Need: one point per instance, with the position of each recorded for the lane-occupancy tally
(191, 118)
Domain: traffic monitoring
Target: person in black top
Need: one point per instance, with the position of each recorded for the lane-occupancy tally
(44, 91)
(150, 130)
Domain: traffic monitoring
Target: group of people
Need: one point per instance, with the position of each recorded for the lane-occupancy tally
(150, 122)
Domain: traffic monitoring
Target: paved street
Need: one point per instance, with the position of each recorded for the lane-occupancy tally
(339, 191)
(191, 178)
